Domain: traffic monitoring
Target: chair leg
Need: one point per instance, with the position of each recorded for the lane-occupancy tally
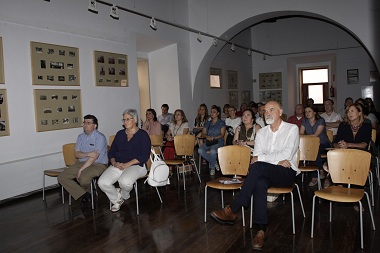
(370, 211)
(361, 224)
(183, 176)
(137, 198)
(242, 215)
(196, 170)
(301, 203)
(371, 182)
(43, 188)
(377, 170)
(251, 212)
(330, 211)
(63, 195)
(293, 223)
(92, 194)
(312, 217)
(159, 196)
(69, 199)
(221, 192)
(205, 201)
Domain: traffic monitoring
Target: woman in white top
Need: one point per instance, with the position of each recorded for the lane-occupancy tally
(179, 125)
(231, 124)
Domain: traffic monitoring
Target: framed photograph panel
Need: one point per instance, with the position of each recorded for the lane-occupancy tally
(352, 76)
(232, 79)
(54, 65)
(57, 109)
(4, 122)
(111, 69)
(272, 80)
(233, 98)
(246, 97)
(269, 95)
(2, 79)
(215, 78)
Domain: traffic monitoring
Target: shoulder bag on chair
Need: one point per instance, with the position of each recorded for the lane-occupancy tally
(159, 172)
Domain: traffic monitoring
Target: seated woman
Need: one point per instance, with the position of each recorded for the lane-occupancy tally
(152, 125)
(178, 126)
(315, 125)
(245, 133)
(128, 154)
(225, 112)
(201, 119)
(231, 124)
(213, 132)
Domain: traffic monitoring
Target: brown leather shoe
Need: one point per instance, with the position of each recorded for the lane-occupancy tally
(224, 216)
(258, 241)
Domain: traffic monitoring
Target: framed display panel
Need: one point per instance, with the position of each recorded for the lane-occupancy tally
(271, 80)
(233, 98)
(215, 78)
(232, 79)
(246, 97)
(57, 109)
(2, 79)
(269, 95)
(111, 69)
(4, 122)
(54, 65)
(352, 76)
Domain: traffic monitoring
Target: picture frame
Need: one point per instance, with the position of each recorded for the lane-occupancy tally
(352, 76)
(232, 77)
(2, 78)
(4, 121)
(374, 76)
(270, 95)
(54, 65)
(111, 69)
(245, 97)
(233, 98)
(57, 109)
(215, 78)
(271, 80)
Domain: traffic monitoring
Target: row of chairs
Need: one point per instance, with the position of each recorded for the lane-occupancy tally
(347, 166)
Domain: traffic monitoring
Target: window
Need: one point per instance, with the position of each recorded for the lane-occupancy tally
(314, 84)
(215, 78)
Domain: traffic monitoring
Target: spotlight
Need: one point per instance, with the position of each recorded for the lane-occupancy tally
(264, 57)
(249, 52)
(47, 0)
(153, 24)
(92, 6)
(215, 42)
(199, 39)
(233, 47)
(114, 12)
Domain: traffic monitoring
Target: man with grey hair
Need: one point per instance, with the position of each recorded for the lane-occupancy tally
(332, 118)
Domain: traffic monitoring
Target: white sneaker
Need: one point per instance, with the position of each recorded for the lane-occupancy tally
(212, 172)
(217, 167)
(313, 182)
(116, 207)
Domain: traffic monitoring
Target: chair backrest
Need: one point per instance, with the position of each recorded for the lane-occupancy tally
(234, 159)
(69, 154)
(111, 138)
(184, 144)
(156, 142)
(349, 166)
(373, 135)
(309, 146)
(330, 135)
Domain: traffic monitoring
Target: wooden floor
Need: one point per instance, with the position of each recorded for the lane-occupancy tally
(32, 225)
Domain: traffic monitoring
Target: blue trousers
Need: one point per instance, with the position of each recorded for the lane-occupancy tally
(260, 177)
(210, 157)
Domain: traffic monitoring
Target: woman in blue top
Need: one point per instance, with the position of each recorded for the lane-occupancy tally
(214, 129)
(128, 154)
(315, 125)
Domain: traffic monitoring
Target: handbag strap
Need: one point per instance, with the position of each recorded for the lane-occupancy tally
(155, 156)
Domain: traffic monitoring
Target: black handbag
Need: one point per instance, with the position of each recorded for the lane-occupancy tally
(212, 142)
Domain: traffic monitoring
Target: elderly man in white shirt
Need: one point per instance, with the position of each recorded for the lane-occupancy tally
(274, 164)
(332, 118)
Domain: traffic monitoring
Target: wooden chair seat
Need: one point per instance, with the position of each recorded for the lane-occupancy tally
(282, 190)
(308, 168)
(216, 184)
(341, 194)
(53, 172)
(175, 162)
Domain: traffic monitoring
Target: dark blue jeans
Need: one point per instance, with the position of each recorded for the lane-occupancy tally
(261, 176)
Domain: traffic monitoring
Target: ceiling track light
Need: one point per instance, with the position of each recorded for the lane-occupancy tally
(114, 12)
(215, 42)
(153, 24)
(92, 6)
(249, 52)
(199, 39)
(233, 47)
(47, 0)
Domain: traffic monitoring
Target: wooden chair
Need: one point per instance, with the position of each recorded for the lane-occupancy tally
(184, 149)
(309, 146)
(346, 166)
(69, 158)
(374, 155)
(283, 190)
(157, 141)
(110, 139)
(234, 160)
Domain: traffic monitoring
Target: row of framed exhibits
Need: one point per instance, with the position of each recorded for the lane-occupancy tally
(4, 122)
(57, 109)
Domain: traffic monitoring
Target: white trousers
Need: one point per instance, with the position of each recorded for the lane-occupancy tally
(126, 179)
